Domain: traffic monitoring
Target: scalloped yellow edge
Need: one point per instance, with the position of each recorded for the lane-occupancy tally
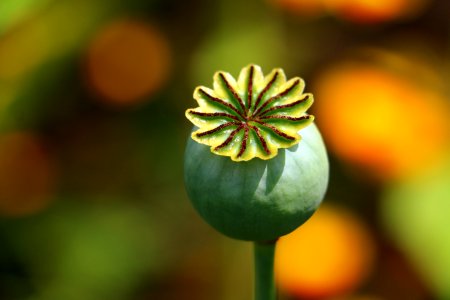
(252, 116)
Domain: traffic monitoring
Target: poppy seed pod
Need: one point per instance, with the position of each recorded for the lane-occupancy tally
(256, 167)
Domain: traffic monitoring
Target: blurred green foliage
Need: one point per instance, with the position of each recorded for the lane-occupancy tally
(416, 214)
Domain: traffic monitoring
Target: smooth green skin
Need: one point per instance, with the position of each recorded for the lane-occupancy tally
(258, 200)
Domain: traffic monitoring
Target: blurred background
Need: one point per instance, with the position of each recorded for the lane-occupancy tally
(92, 134)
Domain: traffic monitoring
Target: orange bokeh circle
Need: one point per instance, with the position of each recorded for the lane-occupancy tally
(374, 11)
(359, 11)
(380, 119)
(27, 175)
(127, 62)
(330, 255)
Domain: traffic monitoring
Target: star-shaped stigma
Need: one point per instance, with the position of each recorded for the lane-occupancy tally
(251, 117)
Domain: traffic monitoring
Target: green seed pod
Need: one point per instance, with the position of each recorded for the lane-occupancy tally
(272, 184)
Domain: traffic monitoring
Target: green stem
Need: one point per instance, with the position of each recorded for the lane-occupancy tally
(264, 280)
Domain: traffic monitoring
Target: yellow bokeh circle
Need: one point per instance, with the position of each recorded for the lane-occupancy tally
(330, 255)
(358, 11)
(380, 119)
(374, 11)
